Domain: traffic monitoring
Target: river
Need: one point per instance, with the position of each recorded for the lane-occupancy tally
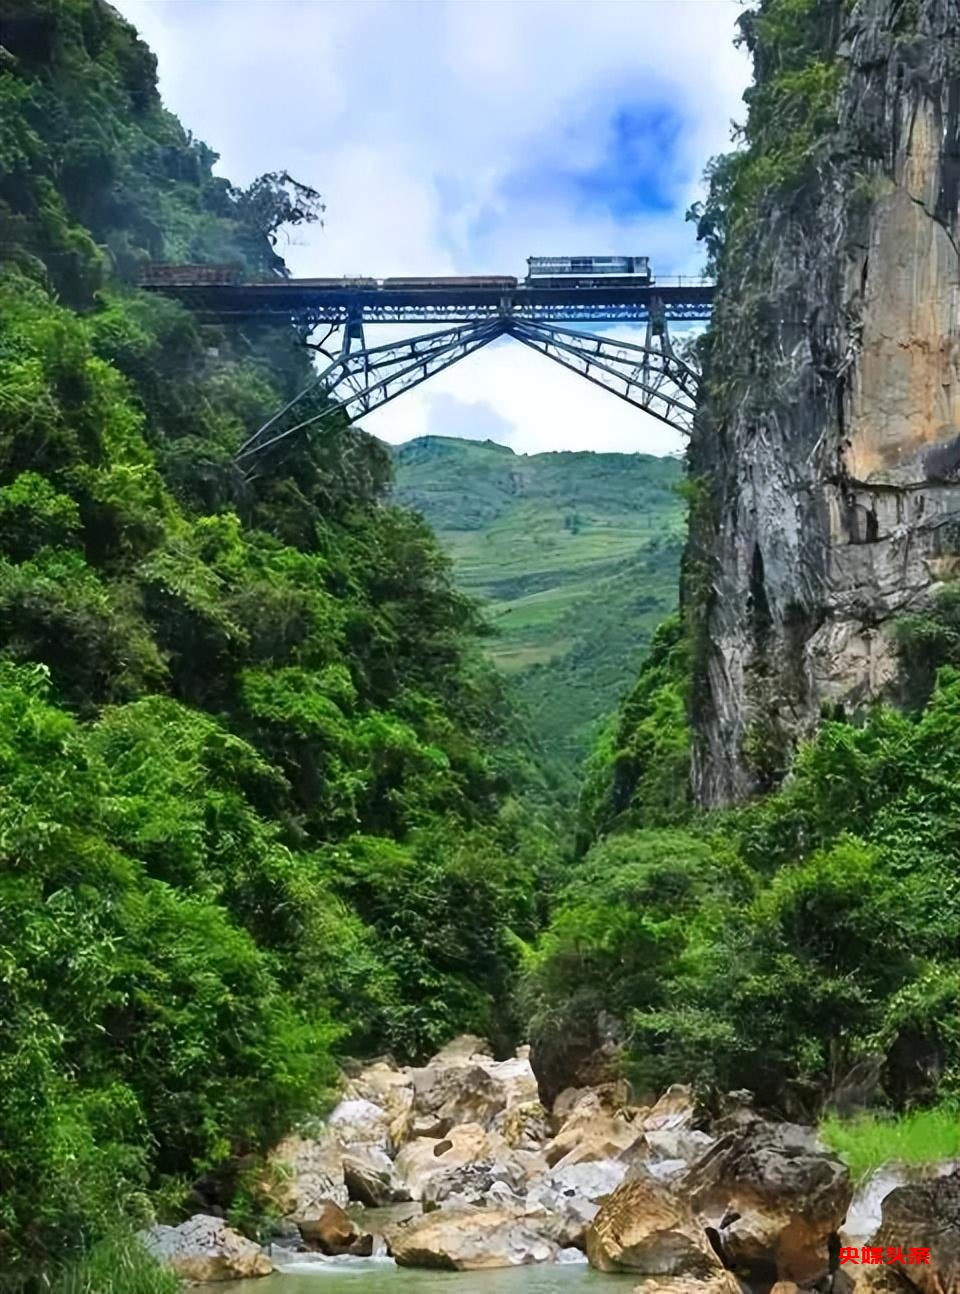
(382, 1276)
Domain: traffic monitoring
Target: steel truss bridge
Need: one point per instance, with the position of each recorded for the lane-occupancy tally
(361, 378)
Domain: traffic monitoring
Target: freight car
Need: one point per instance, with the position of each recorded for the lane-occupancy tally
(495, 281)
(588, 271)
(344, 284)
(186, 276)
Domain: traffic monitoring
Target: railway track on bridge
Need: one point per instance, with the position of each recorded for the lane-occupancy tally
(479, 310)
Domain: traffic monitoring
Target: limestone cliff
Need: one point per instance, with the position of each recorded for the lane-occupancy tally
(828, 448)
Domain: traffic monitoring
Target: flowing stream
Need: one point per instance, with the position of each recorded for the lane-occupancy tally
(362, 1275)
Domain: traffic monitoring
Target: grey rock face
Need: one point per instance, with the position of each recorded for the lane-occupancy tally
(470, 1239)
(773, 1198)
(929, 1214)
(831, 429)
(205, 1249)
(371, 1177)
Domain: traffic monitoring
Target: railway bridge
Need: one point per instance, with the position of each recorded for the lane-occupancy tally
(359, 378)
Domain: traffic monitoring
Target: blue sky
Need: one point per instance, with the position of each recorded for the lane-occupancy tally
(461, 136)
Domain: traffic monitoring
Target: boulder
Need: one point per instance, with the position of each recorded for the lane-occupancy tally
(565, 1104)
(686, 1144)
(774, 1197)
(516, 1078)
(721, 1282)
(455, 1088)
(571, 1255)
(461, 1048)
(563, 1219)
(736, 1108)
(427, 1157)
(674, 1109)
(524, 1127)
(469, 1240)
(608, 1096)
(307, 1171)
(531, 1162)
(568, 1198)
(667, 1170)
(357, 1122)
(332, 1232)
(591, 1133)
(476, 1183)
(204, 1248)
(643, 1227)
(925, 1215)
(371, 1177)
(464, 1166)
(383, 1084)
(592, 1180)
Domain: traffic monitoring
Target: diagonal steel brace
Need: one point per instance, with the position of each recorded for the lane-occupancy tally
(359, 381)
(651, 376)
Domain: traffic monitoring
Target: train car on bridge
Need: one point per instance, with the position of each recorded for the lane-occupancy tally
(495, 281)
(588, 271)
(344, 284)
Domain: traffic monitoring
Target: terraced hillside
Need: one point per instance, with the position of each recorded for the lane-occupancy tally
(577, 555)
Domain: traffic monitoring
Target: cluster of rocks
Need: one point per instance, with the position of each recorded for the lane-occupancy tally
(483, 1176)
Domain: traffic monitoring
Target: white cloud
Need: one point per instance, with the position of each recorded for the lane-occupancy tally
(473, 419)
(460, 136)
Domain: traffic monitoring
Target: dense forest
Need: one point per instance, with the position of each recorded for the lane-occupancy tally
(260, 795)
(264, 804)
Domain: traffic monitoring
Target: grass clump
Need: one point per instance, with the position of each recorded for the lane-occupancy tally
(918, 1137)
(118, 1264)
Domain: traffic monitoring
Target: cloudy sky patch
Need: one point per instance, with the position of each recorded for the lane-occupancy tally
(460, 137)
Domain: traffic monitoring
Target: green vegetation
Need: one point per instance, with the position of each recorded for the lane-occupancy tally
(260, 795)
(117, 1265)
(805, 945)
(577, 556)
(792, 112)
(264, 804)
(920, 1137)
(821, 942)
(638, 773)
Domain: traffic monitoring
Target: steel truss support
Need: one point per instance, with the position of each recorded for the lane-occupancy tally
(308, 317)
(650, 376)
(362, 378)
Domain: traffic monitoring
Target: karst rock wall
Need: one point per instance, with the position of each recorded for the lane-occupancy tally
(829, 441)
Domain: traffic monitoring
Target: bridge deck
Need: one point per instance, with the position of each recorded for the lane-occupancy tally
(298, 300)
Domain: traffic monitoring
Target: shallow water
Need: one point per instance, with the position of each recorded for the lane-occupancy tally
(317, 1275)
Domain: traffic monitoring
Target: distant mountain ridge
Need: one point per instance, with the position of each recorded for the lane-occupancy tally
(577, 555)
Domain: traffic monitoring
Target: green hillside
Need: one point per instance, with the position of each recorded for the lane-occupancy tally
(577, 555)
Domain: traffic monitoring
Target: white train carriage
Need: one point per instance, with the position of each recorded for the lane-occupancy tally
(588, 271)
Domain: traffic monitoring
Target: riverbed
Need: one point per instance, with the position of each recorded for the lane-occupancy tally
(359, 1275)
